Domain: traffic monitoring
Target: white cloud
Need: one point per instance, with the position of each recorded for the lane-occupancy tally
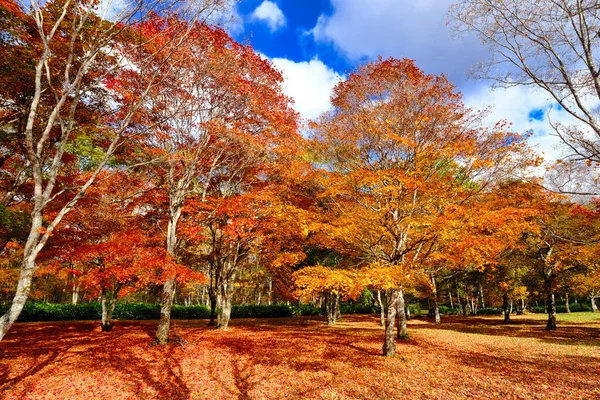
(270, 13)
(400, 28)
(514, 105)
(309, 84)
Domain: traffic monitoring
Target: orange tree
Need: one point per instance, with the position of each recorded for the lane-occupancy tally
(334, 284)
(400, 150)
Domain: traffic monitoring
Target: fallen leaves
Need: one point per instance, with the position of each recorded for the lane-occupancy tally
(300, 358)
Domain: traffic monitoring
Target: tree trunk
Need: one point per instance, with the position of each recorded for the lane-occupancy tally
(389, 343)
(460, 307)
(567, 307)
(381, 308)
(270, 292)
(450, 296)
(481, 294)
(166, 301)
(436, 308)
(226, 304)
(401, 314)
(108, 309)
(75, 294)
(168, 289)
(505, 308)
(594, 307)
(551, 305)
(332, 308)
(20, 298)
(520, 306)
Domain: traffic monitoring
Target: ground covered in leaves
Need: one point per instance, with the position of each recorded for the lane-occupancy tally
(301, 358)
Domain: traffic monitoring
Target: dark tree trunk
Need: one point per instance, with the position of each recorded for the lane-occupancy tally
(551, 304)
(389, 343)
(401, 314)
(520, 306)
(505, 308)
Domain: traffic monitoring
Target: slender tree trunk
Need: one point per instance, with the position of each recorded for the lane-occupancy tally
(460, 307)
(481, 294)
(505, 308)
(20, 297)
(401, 314)
(407, 312)
(551, 304)
(567, 306)
(270, 292)
(593, 303)
(108, 308)
(338, 311)
(75, 294)
(381, 308)
(168, 289)
(450, 296)
(436, 308)
(520, 306)
(389, 343)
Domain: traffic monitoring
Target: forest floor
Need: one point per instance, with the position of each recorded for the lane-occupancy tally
(302, 358)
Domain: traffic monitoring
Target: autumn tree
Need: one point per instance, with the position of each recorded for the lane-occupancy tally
(216, 127)
(71, 48)
(334, 284)
(403, 151)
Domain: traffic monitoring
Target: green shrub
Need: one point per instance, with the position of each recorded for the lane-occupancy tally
(415, 309)
(136, 311)
(445, 310)
(33, 312)
(489, 311)
(358, 308)
(190, 312)
(307, 310)
(263, 311)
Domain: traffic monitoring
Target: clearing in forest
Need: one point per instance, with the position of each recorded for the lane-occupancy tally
(302, 358)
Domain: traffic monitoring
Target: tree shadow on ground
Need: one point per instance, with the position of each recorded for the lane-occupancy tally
(84, 348)
(571, 333)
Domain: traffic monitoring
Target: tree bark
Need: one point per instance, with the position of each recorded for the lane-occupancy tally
(401, 315)
(505, 308)
(168, 289)
(108, 309)
(551, 304)
(389, 343)
(567, 306)
(226, 304)
(381, 308)
(436, 308)
(332, 308)
(594, 306)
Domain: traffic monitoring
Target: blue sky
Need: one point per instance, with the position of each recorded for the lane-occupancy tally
(315, 43)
